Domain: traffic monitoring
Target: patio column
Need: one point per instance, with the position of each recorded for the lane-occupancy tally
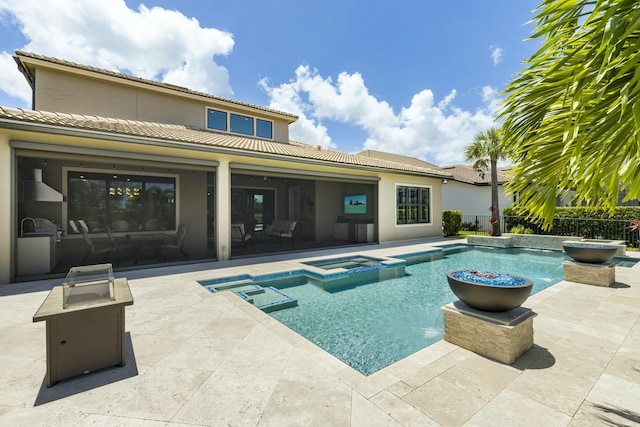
(223, 210)
(7, 209)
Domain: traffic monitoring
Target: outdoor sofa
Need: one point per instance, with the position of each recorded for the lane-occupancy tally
(281, 229)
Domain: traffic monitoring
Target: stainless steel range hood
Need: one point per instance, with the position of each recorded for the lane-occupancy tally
(37, 191)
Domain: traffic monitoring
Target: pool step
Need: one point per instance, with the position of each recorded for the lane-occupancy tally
(229, 285)
(267, 299)
(273, 299)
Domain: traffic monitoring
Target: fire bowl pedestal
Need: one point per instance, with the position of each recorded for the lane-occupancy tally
(590, 274)
(489, 291)
(503, 336)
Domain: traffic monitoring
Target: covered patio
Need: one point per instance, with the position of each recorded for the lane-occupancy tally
(131, 212)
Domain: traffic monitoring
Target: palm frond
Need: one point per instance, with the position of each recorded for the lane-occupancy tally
(572, 116)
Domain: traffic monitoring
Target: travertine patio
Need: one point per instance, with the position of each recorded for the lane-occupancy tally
(195, 358)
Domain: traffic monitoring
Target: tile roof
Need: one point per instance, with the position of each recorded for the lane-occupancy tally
(462, 173)
(468, 174)
(22, 54)
(197, 137)
(398, 158)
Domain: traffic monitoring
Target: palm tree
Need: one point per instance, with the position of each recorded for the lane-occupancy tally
(572, 116)
(485, 151)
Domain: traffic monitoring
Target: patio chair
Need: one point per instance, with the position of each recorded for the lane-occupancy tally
(117, 242)
(175, 244)
(74, 227)
(238, 235)
(83, 225)
(282, 229)
(99, 247)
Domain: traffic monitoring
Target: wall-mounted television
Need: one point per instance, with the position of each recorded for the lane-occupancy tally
(355, 204)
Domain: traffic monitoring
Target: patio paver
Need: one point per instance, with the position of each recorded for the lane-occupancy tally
(195, 358)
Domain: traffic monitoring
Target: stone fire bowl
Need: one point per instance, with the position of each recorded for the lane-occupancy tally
(592, 253)
(493, 292)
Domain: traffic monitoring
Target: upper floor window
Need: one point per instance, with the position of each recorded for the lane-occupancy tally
(413, 205)
(217, 120)
(238, 123)
(241, 124)
(264, 129)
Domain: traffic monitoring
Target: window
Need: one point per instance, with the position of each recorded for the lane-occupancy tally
(122, 202)
(216, 120)
(238, 123)
(241, 124)
(264, 129)
(413, 205)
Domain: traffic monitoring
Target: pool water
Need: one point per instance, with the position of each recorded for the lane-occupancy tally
(373, 325)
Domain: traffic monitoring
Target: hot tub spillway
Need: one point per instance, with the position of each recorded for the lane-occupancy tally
(267, 298)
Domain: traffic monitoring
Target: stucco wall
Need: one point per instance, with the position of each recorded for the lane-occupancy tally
(61, 92)
(388, 230)
(471, 199)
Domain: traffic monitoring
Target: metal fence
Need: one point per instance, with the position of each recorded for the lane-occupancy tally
(608, 229)
(476, 223)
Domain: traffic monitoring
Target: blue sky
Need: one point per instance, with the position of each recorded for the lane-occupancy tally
(411, 77)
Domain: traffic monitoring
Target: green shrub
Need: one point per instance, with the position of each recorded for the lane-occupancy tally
(521, 229)
(469, 226)
(584, 222)
(451, 222)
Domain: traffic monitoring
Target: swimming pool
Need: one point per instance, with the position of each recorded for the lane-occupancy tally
(373, 318)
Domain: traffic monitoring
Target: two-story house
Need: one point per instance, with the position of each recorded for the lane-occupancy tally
(106, 160)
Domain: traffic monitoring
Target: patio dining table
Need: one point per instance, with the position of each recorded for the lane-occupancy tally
(140, 240)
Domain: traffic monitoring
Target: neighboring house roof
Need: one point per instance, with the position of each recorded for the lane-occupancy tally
(398, 159)
(24, 119)
(469, 175)
(23, 58)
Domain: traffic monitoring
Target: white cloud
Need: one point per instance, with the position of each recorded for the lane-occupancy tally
(490, 96)
(13, 83)
(152, 43)
(165, 45)
(286, 97)
(430, 130)
(496, 54)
